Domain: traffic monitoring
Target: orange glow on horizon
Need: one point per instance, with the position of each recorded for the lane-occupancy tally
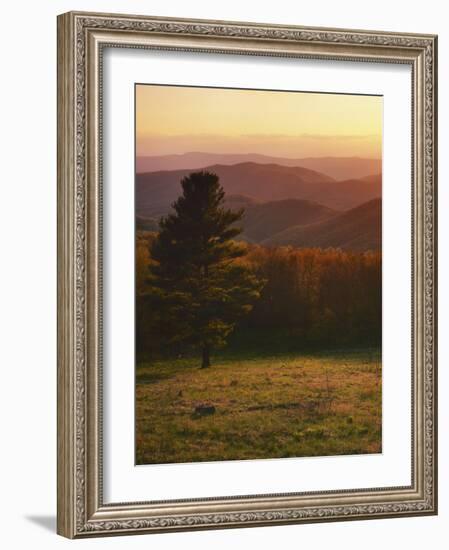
(175, 120)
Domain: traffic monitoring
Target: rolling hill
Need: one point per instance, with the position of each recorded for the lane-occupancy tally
(347, 194)
(156, 191)
(357, 229)
(262, 221)
(339, 168)
(239, 201)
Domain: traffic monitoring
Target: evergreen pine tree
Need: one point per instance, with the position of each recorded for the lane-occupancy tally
(199, 286)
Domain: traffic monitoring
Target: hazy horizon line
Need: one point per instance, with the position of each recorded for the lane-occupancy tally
(256, 154)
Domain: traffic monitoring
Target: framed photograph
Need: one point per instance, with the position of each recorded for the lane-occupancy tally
(246, 274)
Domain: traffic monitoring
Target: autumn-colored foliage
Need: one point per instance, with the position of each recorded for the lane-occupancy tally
(311, 297)
(327, 297)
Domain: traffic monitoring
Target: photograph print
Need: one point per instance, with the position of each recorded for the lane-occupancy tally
(258, 274)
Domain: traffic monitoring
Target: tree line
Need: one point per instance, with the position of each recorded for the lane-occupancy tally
(318, 297)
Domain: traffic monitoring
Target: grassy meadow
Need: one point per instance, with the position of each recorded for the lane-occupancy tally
(271, 406)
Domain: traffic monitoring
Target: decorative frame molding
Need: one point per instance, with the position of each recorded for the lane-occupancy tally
(81, 39)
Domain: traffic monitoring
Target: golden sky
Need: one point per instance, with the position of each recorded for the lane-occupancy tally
(173, 120)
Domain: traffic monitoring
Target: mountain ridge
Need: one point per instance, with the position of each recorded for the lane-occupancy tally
(263, 220)
(357, 229)
(276, 224)
(339, 168)
(156, 191)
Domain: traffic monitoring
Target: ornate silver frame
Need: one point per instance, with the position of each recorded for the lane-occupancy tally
(81, 39)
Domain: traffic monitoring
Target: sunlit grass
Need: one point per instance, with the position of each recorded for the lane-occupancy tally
(289, 405)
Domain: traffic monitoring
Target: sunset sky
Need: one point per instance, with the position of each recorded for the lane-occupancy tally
(173, 120)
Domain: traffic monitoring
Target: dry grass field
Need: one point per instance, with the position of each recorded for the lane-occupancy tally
(246, 407)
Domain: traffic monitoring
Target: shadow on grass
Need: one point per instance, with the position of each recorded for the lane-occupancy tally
(153, 371)
(151, 377)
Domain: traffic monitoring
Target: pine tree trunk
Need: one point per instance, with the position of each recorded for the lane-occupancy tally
(206, 357)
